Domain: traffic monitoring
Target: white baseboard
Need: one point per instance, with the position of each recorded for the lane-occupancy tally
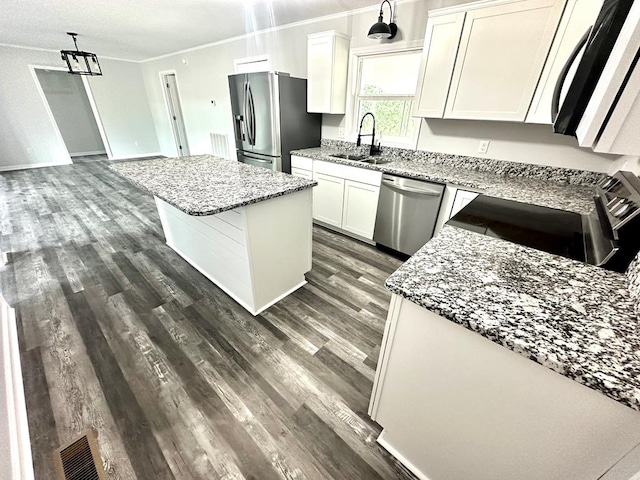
(383, 443)
(86, 154)
(137, 155)
(13, 405)
(10, 168)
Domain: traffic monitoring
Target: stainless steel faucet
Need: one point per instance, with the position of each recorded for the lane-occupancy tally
(374, 150)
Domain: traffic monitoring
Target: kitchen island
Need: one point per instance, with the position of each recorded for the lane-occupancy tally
(504, 362)
(245, 228)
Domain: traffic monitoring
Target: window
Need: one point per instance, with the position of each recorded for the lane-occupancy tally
(386, 85)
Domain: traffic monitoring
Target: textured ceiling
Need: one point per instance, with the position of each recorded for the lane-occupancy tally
(141, 29)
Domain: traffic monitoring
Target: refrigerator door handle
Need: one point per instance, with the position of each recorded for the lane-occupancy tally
(245, 110)
(557, 91)
(252, 117)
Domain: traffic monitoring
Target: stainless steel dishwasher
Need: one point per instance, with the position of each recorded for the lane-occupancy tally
(407, 213)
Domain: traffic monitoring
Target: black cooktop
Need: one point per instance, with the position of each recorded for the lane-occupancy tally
(547, 229)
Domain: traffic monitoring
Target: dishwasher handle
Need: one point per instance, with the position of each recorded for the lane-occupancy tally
(404, 188)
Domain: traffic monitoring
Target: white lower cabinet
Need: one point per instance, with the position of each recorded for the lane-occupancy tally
(328, 199)
(300, 172)
(302, 167)
(461, 200)
(346, 197)
(358, 216)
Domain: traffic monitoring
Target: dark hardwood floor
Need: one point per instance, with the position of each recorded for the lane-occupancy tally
(117, 332)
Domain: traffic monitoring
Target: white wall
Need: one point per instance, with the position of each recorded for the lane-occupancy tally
(123, 106)
(203, 78)
(68, 101)
(27, 135)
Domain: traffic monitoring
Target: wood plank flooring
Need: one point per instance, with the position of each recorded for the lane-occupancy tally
(119, 333)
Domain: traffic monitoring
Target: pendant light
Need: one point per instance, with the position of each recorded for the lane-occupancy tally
(80, 63)
(380, 29)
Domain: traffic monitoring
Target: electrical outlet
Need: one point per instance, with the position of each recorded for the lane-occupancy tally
(30, 151)
(484, 146)
(135, 143)
(341, 133)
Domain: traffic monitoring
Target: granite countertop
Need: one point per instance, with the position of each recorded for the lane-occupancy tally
(576, 319)
(206, 185)
(521, 188)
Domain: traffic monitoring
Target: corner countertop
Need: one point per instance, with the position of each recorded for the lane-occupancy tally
(521, 188)
(573, 318)
(205, 185)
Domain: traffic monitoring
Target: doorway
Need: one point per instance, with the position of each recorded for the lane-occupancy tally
(71, 111)
(172, 98)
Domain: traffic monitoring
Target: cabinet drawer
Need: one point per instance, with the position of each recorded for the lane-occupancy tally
(303, 163)
(299, 172)
(347, 172)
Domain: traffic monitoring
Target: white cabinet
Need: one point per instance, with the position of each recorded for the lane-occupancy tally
(327, 65)
(500, 58)
(441, 42)
(302, 167)
(346, 197)
(328, 197)
(576, 21)
(461, 200)
(358, 214)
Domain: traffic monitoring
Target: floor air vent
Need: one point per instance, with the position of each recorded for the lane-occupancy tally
(80, 459)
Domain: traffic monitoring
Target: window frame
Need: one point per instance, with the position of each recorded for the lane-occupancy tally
(351, 121)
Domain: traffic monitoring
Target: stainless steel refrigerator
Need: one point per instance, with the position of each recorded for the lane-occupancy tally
(270, 118)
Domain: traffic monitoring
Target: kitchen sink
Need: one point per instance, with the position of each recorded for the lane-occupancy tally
(349, 156)
(361, 158)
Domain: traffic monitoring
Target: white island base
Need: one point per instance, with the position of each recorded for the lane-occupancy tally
(258, 253)
(454, 406)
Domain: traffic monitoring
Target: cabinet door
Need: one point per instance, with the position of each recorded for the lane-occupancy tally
(502, 52)
(328, 199)
(441, 41)
(360, 208)
(577, 20)
(299, 172)
(461, 200)
(319, 74)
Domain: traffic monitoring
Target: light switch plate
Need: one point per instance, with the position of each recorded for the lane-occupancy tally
(484, 146)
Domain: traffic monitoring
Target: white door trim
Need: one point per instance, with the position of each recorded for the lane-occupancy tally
(94, 108)
(176, 139)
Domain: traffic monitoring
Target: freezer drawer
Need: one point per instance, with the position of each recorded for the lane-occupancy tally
(263, 161)
(407, 213)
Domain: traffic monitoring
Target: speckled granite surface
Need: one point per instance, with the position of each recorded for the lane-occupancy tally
(633, 279)
(531, 184)
(206, 185)
(499, 167)
(574, 318)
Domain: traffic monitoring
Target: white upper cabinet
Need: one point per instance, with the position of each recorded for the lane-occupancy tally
(441, 41)
(327, 65)
(501, 55)
(576, 21)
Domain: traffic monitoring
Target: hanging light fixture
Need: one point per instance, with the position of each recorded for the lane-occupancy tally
(382, 30)
(80, 63)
